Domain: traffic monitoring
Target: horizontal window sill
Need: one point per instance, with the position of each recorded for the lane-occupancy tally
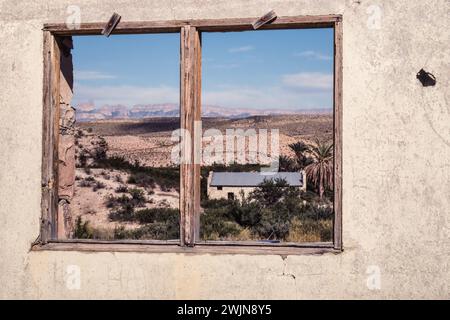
(206, 247)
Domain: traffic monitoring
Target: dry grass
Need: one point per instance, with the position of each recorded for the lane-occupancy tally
(310, 231)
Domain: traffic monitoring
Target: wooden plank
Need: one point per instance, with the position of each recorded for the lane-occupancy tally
(54, 118)
(111, 25)
(338, 101)
(46, 141)
(268, 244)
(198, 249)
(268, 17)
(123, 28)
(208, 243)
(197, 132)
(187, 196)
(234, 24)
(243, 24)
(124, 241)
(50, 128)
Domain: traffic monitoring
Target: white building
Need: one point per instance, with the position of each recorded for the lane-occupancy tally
(230, 185)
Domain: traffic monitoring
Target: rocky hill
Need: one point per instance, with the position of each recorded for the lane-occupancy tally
(88, 112)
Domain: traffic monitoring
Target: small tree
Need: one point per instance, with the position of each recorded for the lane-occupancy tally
(300, 149)
(82, 230)
(270, 191)
(320, 171)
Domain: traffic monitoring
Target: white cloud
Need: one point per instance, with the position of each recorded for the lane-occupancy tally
(126, 95)
(267, 97)
(92, 75)
(308, 80)
(241, 49)
(296, 91)
(313, 55)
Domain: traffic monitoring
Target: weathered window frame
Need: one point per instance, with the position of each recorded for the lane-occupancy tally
(190, 105)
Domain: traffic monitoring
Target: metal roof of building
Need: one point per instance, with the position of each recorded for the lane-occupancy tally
(253, 179)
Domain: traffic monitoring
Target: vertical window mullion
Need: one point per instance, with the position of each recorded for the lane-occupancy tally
(188, 100)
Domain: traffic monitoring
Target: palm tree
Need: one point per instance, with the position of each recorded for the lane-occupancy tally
(299, 148)
(286, 164)
(320, 172)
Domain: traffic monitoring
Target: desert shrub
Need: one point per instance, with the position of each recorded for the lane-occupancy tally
(266, 214)
(121, 233)
(122, 208)
(245, 235)
(310, 230)
(82, 158)
(162, 225)
(84, 184)
(105, 175)
(122, 189)
(217, 229)
(217, 221)
(100, 150)
(114, 162)
(82, 229)
(89, 130)
(79, 134)
(273, 225)
(131, 179)
(87, 170)
(167, 177)
(114, 202)
(141, 179)
(168, 215)
(270, 192)
(118, 178)
(318, 212)
(246, 213)
(124, 213)
(98, 185)
(88, 181)
(137, 196)
(156, 231)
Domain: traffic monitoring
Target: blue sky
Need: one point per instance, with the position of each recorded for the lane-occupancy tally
(287, 69)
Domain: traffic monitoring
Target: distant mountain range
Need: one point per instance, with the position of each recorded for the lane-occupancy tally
(88, 112)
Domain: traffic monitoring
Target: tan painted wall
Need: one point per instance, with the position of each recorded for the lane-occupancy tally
(214, 193)
(396, 168)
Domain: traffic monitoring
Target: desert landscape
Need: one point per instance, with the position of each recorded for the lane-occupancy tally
(128, 188)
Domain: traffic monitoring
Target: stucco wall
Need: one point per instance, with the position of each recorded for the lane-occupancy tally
(396, 153)
(214, 193)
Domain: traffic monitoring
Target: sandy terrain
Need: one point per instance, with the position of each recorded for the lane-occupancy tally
(91, 204)
(149, 142)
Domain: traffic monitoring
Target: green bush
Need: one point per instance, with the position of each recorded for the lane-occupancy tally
(168, 215)
(122, 189)
(159, 224)
(137, 197)
(268, 213)
(142, 179)
(82, 230)
(124, 213)
(98, 185)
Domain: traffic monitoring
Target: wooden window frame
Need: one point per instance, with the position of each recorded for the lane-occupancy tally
(190, 112)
